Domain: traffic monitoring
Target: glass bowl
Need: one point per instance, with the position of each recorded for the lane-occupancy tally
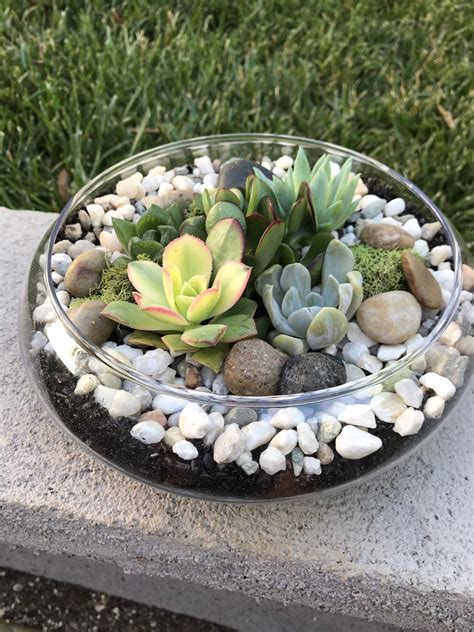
(55, 373)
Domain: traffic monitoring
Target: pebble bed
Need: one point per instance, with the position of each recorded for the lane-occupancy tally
(302, 439)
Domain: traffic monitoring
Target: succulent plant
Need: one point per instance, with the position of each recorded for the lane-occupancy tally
(311, 318)
(155, 229)
(178, 301)
(330, 195)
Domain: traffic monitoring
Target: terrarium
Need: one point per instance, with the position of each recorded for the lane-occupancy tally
(249, 317)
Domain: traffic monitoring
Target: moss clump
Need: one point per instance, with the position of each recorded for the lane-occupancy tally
(381, 269)
(114, 286)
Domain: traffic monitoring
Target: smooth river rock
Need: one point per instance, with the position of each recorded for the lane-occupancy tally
(85, 273)
(89, 320)
(253, 367)
(311, 372)
(386, 236)
(421, 282)
(390, 318)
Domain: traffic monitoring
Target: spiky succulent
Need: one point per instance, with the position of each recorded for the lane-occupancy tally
(184, 301)
(330, 195)
(311, 318)
(155, 229)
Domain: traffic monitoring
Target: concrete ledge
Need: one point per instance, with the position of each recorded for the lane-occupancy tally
(396, 551)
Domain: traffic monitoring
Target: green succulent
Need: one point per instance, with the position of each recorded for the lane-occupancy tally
(155, 229)
(330, 195)
(306, 317)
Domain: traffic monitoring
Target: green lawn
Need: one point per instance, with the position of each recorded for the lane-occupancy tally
(85, 84)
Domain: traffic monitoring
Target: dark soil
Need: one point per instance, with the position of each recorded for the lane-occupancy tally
(158, 465)
(37, 603)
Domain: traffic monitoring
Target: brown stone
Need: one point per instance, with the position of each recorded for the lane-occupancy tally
(390, 317)
(386, 236)
(424, 287)
(154, 415)
(193, 377)
(89, 320)
(253, 367)
(85, 273)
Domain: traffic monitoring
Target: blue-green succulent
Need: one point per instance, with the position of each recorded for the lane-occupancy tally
(311, 318)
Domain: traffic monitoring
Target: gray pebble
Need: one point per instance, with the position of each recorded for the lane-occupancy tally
(219, 387)
(241, 416)
(73, 231)
(297, 458)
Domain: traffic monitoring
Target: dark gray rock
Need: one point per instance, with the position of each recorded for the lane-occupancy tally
(234, 173)
(311, 372)
(241, 416)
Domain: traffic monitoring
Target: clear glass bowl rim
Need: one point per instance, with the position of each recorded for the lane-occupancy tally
(200, 145)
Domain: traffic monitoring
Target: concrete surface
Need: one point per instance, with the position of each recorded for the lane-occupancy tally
(396, 551)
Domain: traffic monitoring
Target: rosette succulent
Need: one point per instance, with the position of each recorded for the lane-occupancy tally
(190, 303)
(330, 195)
(311, 318)
(155, 229)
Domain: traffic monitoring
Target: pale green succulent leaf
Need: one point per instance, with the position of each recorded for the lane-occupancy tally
(345, 297)
(291, 301)
(212, 357)
(338, 261)
(226, 242)
(328, 327)
(239, 327)
(330, 291)
(190, 255)
(289, 344)
(296, 275)
(204, 335)
(133, 317)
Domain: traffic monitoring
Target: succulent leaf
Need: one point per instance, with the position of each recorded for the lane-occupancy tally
(223, 210)
(146, 339)
(203, 304)
(239, 327)
(147, 278)
(212, 357)
(174, 344)
(190, 255)
(331, 291)
(296, 275)
(133, 317)
(289, 344)
(268, 245)
(328, 327)
(124, 230)
(204, 335)
(338, 261)
(232, 277)
(226, 242)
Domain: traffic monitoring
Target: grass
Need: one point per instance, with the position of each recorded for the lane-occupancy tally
(85, 84)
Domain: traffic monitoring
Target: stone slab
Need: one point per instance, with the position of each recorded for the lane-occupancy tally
(396, 550)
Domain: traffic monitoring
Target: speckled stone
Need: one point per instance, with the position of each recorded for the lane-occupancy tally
(253, 367)
(311, 372)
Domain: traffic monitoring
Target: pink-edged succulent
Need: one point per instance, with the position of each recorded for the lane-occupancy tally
(191, 304)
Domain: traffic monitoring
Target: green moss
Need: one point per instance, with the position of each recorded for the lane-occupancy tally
(381, 269)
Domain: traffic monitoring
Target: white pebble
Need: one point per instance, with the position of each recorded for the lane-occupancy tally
(182, 183)
(434, 407)
(148, 432)
(409, 422)
(439, 254)
(110, 241)
(204, 164)
(371, 205)
(352, 351)
(57, 278)
(421, 247)
(414, 342)
(129, 352)
(311, 466)
(86, 384)
(356, 335)
(409, 392)
(96, 213)
(394, 207)
(44, 314)
(353, 443)
(387, 406)
(216, 421)
(124, 404)
(285, 441)
(272, 461)
(165, 188)
(152, 362)
(140, 392)
(126, 211)
(109, 216)
(61, 262)
(439, 384)
(278, 171)
(210, 180)
(306, 438)
(172, 436)
(358, 415)
(193, 422)
(390, 352)
(159, 170)
(151, 183)
(39, 341)
(413, 228)
(169, 404)
(248, 465)
(284, 162)
(258, 433)
(130, 188)
(230, 444)
(185, 450)
(369, 363)
(430, 230)
(286, 418)
(63, 297)
(451, 335)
